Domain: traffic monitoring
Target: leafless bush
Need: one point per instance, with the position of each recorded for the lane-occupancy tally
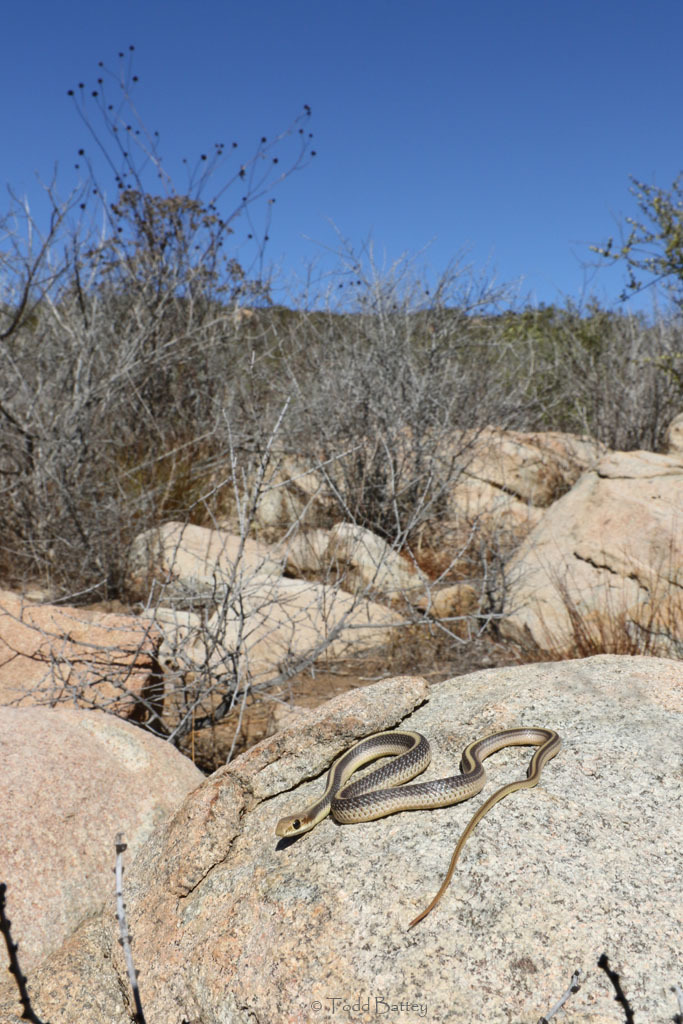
(622, 394)
(389, 389)
(609, 375)
(235, 629)
(121, 344)
(243, 630)
(147, 377)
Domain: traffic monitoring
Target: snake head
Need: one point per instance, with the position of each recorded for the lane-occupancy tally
(293, 825)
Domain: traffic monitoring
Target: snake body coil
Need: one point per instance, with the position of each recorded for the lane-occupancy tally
(380, 793)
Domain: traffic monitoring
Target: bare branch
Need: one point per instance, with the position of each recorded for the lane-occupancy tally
(28, 1012)
(574, 986)
(125, 938)
(603, 964)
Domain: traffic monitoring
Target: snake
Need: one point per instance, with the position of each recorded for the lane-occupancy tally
(381, 792)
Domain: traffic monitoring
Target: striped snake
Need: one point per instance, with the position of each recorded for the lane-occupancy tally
(380, 793)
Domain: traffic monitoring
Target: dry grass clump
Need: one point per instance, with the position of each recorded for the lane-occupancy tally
(651, 628)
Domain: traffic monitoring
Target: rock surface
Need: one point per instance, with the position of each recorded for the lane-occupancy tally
(509, 480)
(54, 654)
(368, 564)
(674, 435)
(475, 500)
(305, 553)
(536, 468)
(614, 545)
(191, 564)
(231, 926)
(282, 620)
(70, 781)
(254, 615)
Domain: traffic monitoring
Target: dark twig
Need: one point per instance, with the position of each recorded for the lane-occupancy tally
(603, 963)
(574, 986)
(14, 968)
(125, 938)
(678, 1017)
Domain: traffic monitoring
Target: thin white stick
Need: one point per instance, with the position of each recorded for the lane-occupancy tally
(125, 938)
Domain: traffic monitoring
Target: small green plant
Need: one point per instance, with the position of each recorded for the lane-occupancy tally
(652, 247)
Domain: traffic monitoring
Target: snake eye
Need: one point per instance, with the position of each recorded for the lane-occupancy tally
(296, 824)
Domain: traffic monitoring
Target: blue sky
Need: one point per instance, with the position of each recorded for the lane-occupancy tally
(505, 129)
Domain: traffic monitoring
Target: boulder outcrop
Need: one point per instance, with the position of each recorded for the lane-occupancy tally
(53, 655)
(606, 558)
(71, 780)
(190, 565)
(231, 926)
(674, 435)
(278, 621)
(535, 468)
(369, 565)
